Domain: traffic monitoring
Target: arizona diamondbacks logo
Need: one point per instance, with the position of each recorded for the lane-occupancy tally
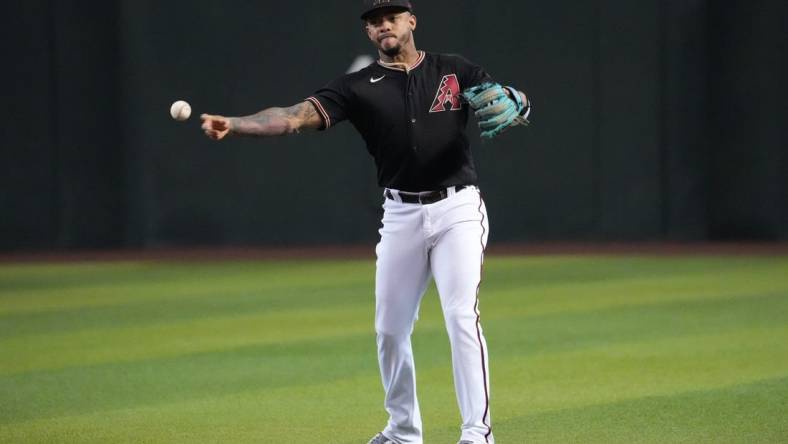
(448, 95)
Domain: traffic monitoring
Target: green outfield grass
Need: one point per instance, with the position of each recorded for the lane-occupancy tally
(623, 349)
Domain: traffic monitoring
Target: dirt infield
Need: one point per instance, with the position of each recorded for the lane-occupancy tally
(368, 252)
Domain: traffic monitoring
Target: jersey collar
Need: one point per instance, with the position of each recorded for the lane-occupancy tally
(399, 67)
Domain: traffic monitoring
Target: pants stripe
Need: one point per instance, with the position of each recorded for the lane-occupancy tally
(485, 420)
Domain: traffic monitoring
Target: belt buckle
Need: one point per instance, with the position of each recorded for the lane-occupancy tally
(432, 197)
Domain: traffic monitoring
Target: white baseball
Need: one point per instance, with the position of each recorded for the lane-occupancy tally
(180, 110)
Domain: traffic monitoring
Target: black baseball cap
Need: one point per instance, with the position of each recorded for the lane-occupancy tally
(372, 5)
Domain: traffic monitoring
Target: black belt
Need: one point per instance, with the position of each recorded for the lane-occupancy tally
(426, 197)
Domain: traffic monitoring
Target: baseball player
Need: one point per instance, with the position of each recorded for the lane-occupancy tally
(411, 107)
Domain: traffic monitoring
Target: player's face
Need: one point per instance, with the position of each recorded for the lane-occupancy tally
(390, 30)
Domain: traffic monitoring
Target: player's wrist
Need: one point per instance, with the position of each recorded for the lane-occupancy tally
(233, 123)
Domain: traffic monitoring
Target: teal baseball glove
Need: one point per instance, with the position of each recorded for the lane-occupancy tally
(495, 110)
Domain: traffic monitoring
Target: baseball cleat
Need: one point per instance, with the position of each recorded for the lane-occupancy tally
(381, 439)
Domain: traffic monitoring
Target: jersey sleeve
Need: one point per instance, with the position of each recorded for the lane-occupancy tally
(332, 102)
(471, 74)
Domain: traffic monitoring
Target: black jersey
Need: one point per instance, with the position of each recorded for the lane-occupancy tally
(413, 121)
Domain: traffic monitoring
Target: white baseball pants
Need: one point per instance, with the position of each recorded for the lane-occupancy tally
(444, 240)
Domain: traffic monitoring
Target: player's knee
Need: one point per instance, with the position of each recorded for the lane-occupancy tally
(391, 323)
(393, 343)
(392, 330)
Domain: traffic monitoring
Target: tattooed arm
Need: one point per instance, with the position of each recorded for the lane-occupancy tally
(268, 122)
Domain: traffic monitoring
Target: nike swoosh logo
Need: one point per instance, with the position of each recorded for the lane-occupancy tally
(374, 80)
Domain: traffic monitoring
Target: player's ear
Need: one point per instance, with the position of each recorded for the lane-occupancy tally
(412, 20)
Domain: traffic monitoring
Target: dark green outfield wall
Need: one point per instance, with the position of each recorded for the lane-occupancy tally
(654, 120)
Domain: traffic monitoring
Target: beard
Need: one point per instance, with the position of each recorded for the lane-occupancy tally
(393, 51)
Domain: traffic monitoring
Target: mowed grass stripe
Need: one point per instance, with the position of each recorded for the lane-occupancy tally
(82, 282)
(325, 412)
(514, 271)
(615, 372)
(560, 297)
(196, 304)
(131, 343)
(169, 282)
(665, 330)
(44, 276)
(741, 413)
(190, 295)
(132, 384)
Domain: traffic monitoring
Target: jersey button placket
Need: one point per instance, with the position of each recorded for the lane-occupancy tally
(413, 132)
(411, 111)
